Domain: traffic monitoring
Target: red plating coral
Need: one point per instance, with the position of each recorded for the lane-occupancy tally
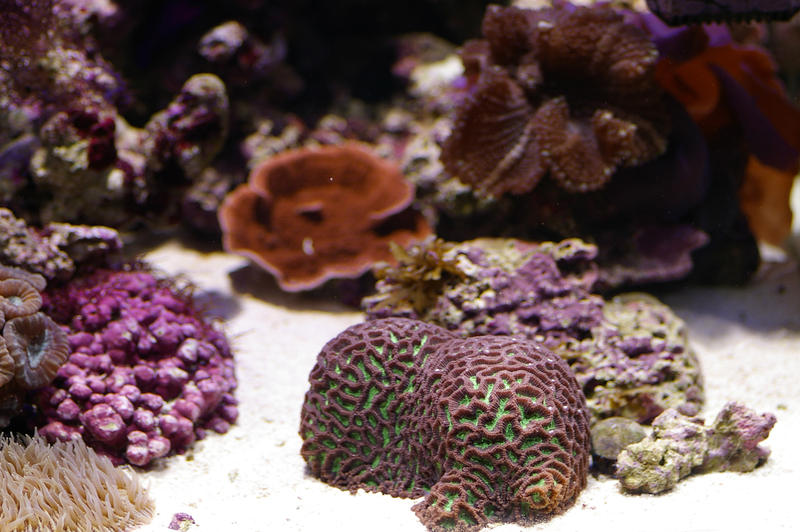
(564, 90)
(487, 428)
(312, 214)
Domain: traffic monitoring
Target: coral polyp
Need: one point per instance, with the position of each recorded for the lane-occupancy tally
(486, 429)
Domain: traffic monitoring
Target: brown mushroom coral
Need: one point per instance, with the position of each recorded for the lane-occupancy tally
(18, 298)
(38, 346)
(565, 90)
(312, 214)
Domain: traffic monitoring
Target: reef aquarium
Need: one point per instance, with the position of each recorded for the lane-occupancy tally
(433, 265)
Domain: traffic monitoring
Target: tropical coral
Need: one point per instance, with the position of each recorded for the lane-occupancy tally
(681, 445)
(147, 374)
(564, 91)
(630, 354)
(309, 215)
(66, 486)
(32, 346)
(486, 428)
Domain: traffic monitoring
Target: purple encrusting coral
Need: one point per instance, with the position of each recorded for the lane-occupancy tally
(147, 374)
(630, 354)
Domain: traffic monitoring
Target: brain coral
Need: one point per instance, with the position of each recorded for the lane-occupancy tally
(486, 428)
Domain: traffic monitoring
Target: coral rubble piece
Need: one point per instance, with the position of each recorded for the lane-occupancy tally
(611, 435)
(486, 429)
(680, 445)
(630, 354)
(309, 215)
(565, 91)
(147, 374)
(66, 486)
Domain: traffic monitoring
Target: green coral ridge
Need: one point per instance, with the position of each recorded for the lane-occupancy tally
(487, 428)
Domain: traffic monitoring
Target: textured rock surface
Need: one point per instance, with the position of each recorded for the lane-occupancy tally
(488, 428)
(630, 354)
(680, 445)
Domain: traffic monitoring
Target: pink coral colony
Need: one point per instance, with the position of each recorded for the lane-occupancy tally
(147, 374)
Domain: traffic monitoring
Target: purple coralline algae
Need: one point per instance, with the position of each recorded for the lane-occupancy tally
(630, 354)
(680, 445)
(56, 250)
(147, 374)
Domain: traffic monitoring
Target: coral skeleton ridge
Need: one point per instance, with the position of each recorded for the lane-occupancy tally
(486, 429)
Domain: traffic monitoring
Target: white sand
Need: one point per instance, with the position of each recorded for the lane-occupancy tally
(252, 478)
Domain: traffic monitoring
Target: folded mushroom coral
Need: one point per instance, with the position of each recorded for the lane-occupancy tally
(312, 214)
(565, 90)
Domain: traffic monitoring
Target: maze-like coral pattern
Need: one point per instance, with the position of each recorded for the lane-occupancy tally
(487, 428)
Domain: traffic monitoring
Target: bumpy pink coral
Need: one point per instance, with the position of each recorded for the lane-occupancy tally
(147, 374)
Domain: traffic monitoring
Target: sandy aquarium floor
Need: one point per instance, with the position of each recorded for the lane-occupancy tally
(252, 478)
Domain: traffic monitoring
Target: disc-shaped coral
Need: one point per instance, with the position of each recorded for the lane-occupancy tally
(487, 428)
(565, 90)
(38, 346)
(312, 214)
(18, 298)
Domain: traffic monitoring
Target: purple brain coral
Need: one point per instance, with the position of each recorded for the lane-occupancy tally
(147, 374)
(486, 428)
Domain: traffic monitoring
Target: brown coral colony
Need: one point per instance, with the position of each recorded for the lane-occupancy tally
(312, 214)
(565, 91)
(32, 346)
